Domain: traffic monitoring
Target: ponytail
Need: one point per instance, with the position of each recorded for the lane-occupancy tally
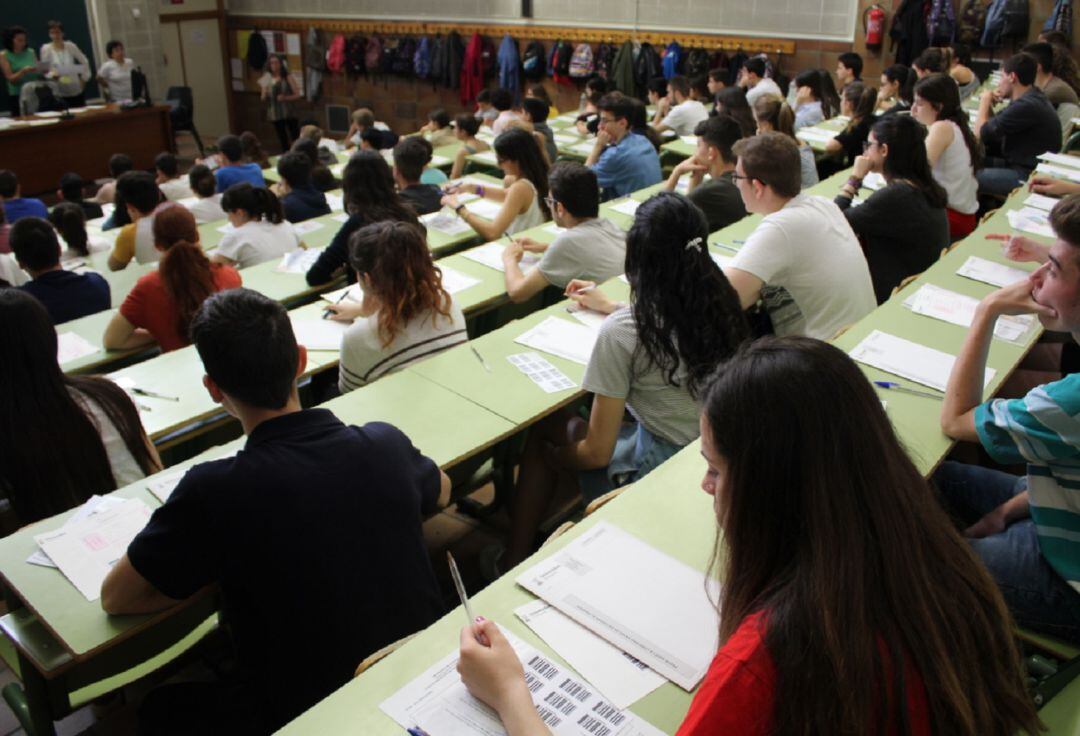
(863, 99)
(269, 206)
(260, 203)
(188, 279)
(777, 113)
(70, 220)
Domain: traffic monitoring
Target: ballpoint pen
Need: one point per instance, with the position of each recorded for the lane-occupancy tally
(152, 394)
(327, 312)
(480, 358)
(893, 386)
(460, 587)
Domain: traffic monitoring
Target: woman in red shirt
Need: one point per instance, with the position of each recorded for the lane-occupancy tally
(160, 306)
(837, 563)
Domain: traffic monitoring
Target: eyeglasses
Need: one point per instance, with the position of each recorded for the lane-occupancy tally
(737, 177)
(550, 202)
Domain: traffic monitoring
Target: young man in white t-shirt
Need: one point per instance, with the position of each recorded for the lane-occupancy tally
(803, 260)
(591, 248)
(169, 181)
(756, 83)
(681, 114)
(205, 203)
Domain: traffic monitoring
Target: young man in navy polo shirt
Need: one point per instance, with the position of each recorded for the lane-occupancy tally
(301, 200)
(233, 170)
(313, 526)
(66, 295)
(15, 205)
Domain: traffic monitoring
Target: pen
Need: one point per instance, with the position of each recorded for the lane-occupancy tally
(585, 289)
(460, 587)
(740, 242)
(74, 265)
(153, 394)
(142, 407)
(893, 386)
(327, 312)
(416, 731)
(725, 246)
(480, 358)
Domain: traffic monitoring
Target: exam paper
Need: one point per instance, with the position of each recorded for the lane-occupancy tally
(908, 359)
(689, 139)
(490, 254)
(1061, 172)
(565, 139)
(70, 346)
(487, 157)
(340, 217)
(299, 261)
(94, 504)
(319, 334)
(815, 135)
(307, 226)
(86, 551)
(541, 372)
(437, 161)
(991, 272)
(619, 677)
(336, 202)
(584, 148)
(587, 317)
(162, 486)
(720, 260)
(1031, 220)
(438, 702)
(455, 281)
(551, 227)
(560, 337)
(873, 180)
(486, 208)
(1060, 158)
(959, 309)
(445, 222)
(639, 599)
(1041, 201)
(356, 294)
(627, 207)
(225, 229)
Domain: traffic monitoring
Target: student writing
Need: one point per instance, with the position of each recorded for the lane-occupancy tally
(260, 231)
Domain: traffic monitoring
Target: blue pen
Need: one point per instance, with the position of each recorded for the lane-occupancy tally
(417, 731)
(893, 386)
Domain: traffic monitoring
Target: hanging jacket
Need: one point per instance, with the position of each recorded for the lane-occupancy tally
(941, 23)
(422, 58)
(533, 66)
(603, 59)
(622, 69)
(472, 70)
(510, 67)
(455, 58)
(647, 67)
(335, 55)
(314, 64)
(257, 53)
(1060, 18)
(908, 31)
(673, 59)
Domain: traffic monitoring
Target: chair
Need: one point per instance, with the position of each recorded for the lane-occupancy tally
(559, 531)
(599, 501)
(1066, 112)
(182, 114)
(374, 657)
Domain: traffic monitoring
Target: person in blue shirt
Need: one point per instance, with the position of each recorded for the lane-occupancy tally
(624, 160)
(15, 205)
(301, 200)
(65, 294)
(233, 170)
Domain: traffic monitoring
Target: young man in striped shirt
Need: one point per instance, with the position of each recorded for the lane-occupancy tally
(1025, 529)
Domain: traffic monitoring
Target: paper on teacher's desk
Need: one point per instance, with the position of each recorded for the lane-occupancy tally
(1061, 172)
(908, 359)
(445, 222)
(991, 272)
(86, 550)
(93, 505)
(486, 208)
(490, 254)
(307, 226)
(1062, 159)
(1031, 220)
(319, 334)
(627, 206)
(299, 261)
(959, 309)
(356, 294)
(619, 677)
(438, 702)
(559, 337)
(70, 346)
(1041, 201)
(455, 281)
(639, 599)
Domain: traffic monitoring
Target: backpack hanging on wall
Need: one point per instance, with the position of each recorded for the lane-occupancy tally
(1017, 19)
(257, 53)
(438, 61)
(940, 23)
(335, 55)
(532, 63)
(581, 62)
(488, 56)
(561, 54)
(422, 58)
(354, 55)
(647, 66)
(1060, 18)
(697, 63)
(603, 59)
(673, 59)
(402, 62)
(373, 54)
(969, 28)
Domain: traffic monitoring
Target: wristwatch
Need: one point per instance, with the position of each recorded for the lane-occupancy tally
(459, 208)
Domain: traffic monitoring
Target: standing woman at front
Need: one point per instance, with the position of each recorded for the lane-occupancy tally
(17, 61)
(62, 55)
(115, 74)
(278, 89)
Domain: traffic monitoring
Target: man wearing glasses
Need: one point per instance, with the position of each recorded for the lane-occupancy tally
(803, 260)
(624, 161)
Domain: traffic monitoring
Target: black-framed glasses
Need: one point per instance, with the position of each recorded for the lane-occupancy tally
(736, 177)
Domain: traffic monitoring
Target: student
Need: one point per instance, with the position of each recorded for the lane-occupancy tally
(485, 111)
(169, 181)
(260, 231)
(897, 85)
(848, 70)
(437, 129)
(161, 305)
(141, 197)
(207, 204)
(325, 148)
(363, 120)
(802, 260)
(771, 113)
(369, 196)
(535, 113)
(253, 150)
(901, 619)
(309, 503)
(717, 81)
(465, 129)
(119, 163)
(1027, 127)
(523, 204)
(69, 220)
(1057, 91)
(809, 100)
(301, 201)
(652, 357)
(406, 315)
(84, 437)
(503, 102)
(951, 148)
(115, 74)
(682, 114)
(858, 104)
(756, 83)
(931, 61)
(960, 70)
(71, 190)
(321, 176)
(539, 91)
(411, 154)
(624, 161)
(718, 197)
(60, 54)
(65, 294)
(590, 247)
(1033, 559)
(17, 206)
(588, 119)
(699, 90)
(1065, 66)
(5, 230)
(656, 93)
(902, 226)
(232, 169)
(731, 101)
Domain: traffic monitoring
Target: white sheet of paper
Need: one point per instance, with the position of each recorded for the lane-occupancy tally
(70, 346)
(356, 294)
(627, 207)
(815, 135)
(87, 550)
(445, 222)
(1061, 172)
(490, 254)
(225, 229)
(438, 161)
(1041, 202)
(486, 208)
(319, 334)
(991, 272)
(908, 359)
(47, 121)
(566, 139)
(959, 309)
(487, 157)
(455, 281)
(541, 372)
(720, 260)
(162, 486)
(307, 226)
(299, 261)
(1063, 159)
(690, 140)
(874, 181)
(49, 114)
(588, 317)
(551, 227)
(1031, 220)
(639, 599)
(340, 217)
(336, 202)
(93, 505)
(560, 337)
(619, 677)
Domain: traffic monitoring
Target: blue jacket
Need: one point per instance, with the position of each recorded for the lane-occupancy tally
(510, 67)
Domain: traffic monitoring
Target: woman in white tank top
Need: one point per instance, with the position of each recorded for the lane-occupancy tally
(522, 203)
(950, 147)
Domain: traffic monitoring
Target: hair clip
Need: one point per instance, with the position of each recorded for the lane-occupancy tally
(695, 243)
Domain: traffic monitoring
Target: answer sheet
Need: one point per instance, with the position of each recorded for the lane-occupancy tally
(438, 702)
(959, 309)
(356, 294)
(319, 334)
(299, 261)
(307, 226)
(490, 254)
(908, 359)
(627, 207)
(487, 208)
(445, 221)
(1031, 220)
(455, 281)
(991, 272)
(1063, 159)
(1041, 201)
(70, 346)
(639, 599)
(1061, 172)
(93, 505)
(559, 337)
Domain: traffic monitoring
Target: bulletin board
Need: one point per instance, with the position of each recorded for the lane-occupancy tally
(246, 79)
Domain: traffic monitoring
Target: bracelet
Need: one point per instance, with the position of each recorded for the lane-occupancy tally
(480, 190)
(854, 182)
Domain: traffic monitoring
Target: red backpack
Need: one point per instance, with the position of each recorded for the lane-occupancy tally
(335, 55)
(373, 54)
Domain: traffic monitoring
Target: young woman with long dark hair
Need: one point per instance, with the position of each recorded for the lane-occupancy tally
(850, 604)
(652, 357)
(405, 316)
(902, 226)
(260, 231)
(897, 83)
(858, 104)
(523, 204)
(812, 102)
(62, 438)
(732, 101)
(278, 89)
(162, 303)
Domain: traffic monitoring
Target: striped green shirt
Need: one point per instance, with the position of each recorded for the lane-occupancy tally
(1043, 430)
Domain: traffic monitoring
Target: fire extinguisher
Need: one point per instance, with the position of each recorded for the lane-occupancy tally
(874, 26)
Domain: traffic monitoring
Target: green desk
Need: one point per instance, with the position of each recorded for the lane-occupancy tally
(91, 328)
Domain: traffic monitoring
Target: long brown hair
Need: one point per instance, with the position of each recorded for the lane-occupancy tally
(395, 258)
(774, 111)
(862, 98)
(185, 270)
(829, 529)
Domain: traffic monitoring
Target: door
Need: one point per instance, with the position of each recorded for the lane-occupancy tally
(204, 72)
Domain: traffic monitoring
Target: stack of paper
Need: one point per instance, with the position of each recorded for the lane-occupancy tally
(908, 359)
(991, 272)
(299, 261)
(93, 505)
(490, 254)
(1060, 172)
(959, 309)
(1031, 220)
(1062, 159)
(445, 222)
(565, 339)
(1041, 201)
(319, 334)
(565, 139)
(584, 148)
(815, 135)
(690, 140)
(487, 157)
(70, 346)
(438, 161)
